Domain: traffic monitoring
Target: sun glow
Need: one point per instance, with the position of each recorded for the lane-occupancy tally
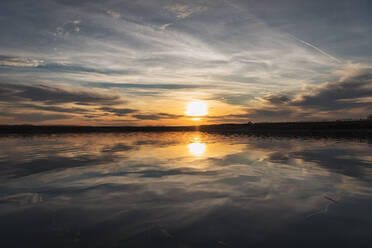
(197, 108)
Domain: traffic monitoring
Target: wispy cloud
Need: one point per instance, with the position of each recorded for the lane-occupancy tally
(164, 26)
(243, 54)
(19, 61)
(169, 86)
(73, 68)
(118, 111)
(67, 28)
(182, 11)
(113, 14)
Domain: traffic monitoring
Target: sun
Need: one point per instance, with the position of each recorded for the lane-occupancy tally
(197, 108)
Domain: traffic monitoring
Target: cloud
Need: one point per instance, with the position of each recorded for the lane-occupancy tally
(72, 110)
(158, 116)
(19, 61)
(242, 51)
(67, 28)
(147, 117)
(234, 99)
(118, 111)
(339, 95)
(42, 65)
(72, 68)
(346, 98)
(164, 26)
(264, 114)
(113, 14)
(37, 103)
(34, 116)
(182, 11)
(146, 86)
(277, 99)
(54, 95)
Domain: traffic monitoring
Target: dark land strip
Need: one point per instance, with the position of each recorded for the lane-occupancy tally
(352, 129)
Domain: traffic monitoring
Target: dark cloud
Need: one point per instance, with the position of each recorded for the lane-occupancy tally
(147, 117)
(347, 98)
(54, 95)
(339, 95)
(36, 103)
(91, 116)
(55, 109)
(265, 113)
(275, 99)
(170, 116)
(158, 116)
(34, 117)
(119, 111)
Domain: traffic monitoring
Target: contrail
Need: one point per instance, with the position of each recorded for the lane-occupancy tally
(299, 40)
(316, 48)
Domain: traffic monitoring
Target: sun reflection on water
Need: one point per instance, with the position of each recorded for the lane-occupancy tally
(197, 148)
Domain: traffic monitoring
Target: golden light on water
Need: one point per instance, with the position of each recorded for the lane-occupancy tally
(196, 148)
(197, 108)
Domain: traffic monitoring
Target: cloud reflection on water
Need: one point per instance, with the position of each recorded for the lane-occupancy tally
(183, 190)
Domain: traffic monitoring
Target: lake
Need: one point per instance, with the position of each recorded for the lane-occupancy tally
(184, 190)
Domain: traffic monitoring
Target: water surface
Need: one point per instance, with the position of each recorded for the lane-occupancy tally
(184, 190)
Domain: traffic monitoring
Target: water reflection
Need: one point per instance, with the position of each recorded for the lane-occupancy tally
(184, 190)
(197, 148)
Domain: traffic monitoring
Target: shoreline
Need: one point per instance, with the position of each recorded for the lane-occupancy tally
(357, 129)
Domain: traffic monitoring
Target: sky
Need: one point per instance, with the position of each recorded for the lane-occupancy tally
(143, 62)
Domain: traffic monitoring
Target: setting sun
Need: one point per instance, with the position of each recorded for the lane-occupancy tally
(197, 108)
